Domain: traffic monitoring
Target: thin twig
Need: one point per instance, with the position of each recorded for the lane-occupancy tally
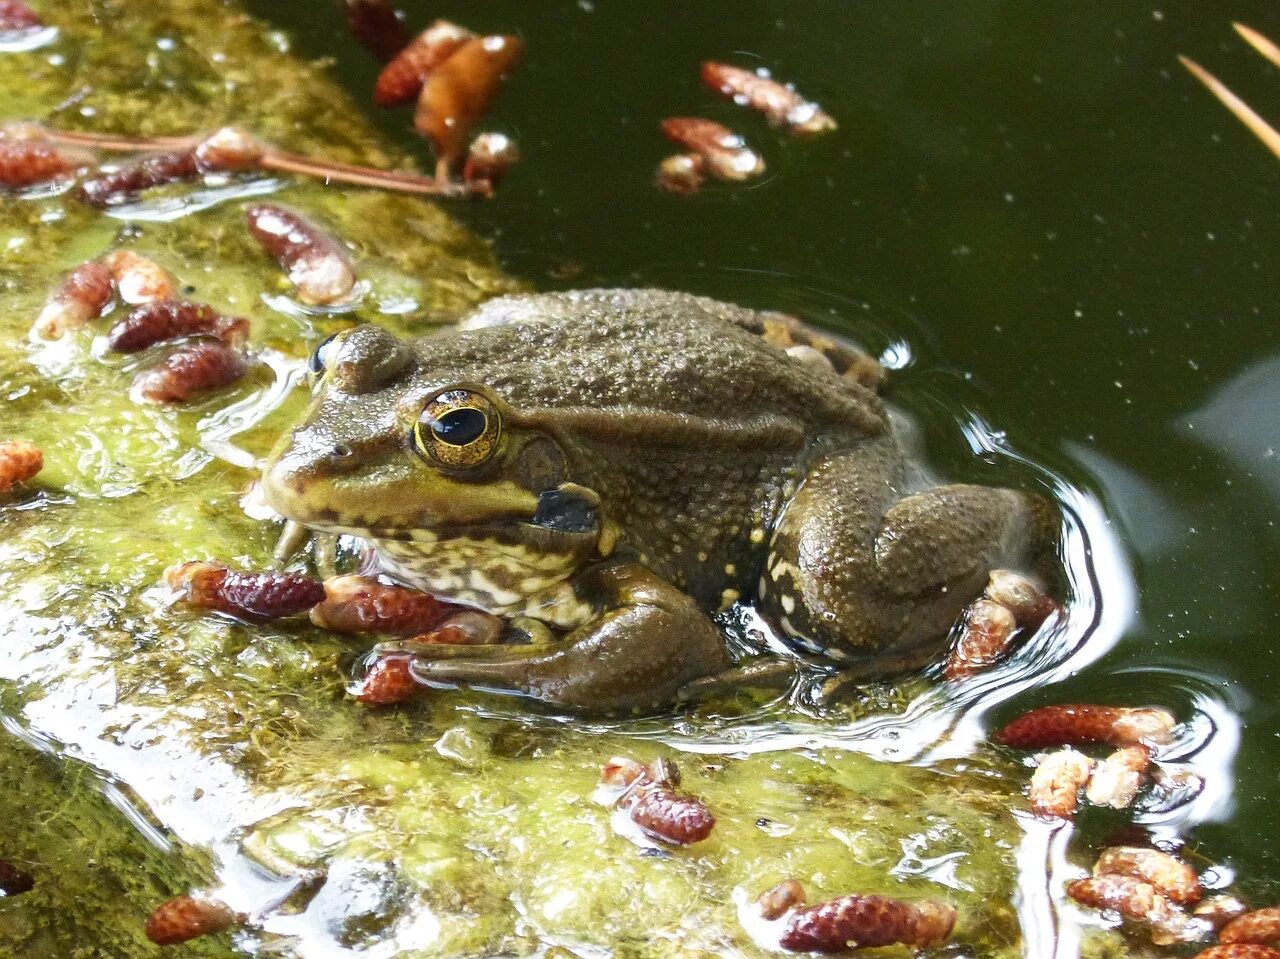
(1260, 43)
(1263, 130)
(114, 143)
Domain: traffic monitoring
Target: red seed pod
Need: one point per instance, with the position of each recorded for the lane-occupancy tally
(1241, 950)
(468, 628)
(489, 158)
(25, 163)
(777, 902)
(229, 150)
(1170, 876)
(1056, 783)
(1116, 780)
(19, 462)
(184, 918)
(984, 640)
(458, 92)
(83, 296)
(316, 263)
(1261, 925)
(14, 881)
(622, 771)
(1021, 596)
(389, 681)
(682, 173)
(726, 153)
(1082, 724)
(1219, 911)
(156, 322)
(139, 279)
(671, 817)
(852, 922)
(127, 182)
(780, 104)
(1139, 901)
(189, 371)
(264, 595)
(358, 604)
(402, 79)
(16, 16)
(377, 27)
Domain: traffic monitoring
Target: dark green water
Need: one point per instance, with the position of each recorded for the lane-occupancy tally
(1065, 233)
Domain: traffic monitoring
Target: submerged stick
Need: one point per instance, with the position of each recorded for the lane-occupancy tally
(1260, 43)
(1260, 128)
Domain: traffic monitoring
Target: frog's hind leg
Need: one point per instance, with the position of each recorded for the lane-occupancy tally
(877, 582)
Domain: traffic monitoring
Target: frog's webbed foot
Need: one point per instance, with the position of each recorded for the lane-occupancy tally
(880, 584)
(649, 642)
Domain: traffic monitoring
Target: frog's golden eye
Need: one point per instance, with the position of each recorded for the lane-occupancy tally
(458, 429)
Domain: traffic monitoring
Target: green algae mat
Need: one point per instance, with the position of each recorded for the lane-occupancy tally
(150, 750)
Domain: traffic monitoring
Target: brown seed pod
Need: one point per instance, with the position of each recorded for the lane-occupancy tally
(851, 922)
(264, 595)
(184, 918)
(1169, 875)
(229, 150)
(358, 604)
(139, 279)
(377, 27)
(189, 371)
(316, 263)
(17, 17)
(1116, 780)
(1081, 724)
(1056, 783)
(83, 296)
(1218, 911)
(468, 628)
(19, 462)
(1021, 596)
(163, 320)
(25, 163)
(1261, 925)
(985, 638)
(389, 681)
(669, 816)
(130, 180)
(1139, 901)
(780, 104)
(682, 173)
(14, 881)
(777, 902)
(1241, 950)
(489, 158)
(726, 153)
(402, 79)
(458, 92)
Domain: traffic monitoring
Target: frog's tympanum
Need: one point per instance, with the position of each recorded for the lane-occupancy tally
(622, 464)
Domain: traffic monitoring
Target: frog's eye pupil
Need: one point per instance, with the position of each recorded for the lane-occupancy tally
(320, 356)
(460, 426)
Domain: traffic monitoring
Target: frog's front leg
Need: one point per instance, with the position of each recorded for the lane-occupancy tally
(648, 641)
(874, 581)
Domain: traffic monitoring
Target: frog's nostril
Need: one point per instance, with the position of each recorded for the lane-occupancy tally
(341, 451)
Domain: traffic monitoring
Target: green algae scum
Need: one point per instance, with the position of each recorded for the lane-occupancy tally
(149, 750)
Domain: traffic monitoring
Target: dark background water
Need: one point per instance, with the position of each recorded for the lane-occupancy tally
(1033, 200)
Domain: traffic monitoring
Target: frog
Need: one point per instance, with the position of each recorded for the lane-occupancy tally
(624, 465)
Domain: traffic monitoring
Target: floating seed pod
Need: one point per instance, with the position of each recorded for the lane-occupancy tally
(402, 79)
(156, 322)
(1141, 902)
(27, 163)
(229, 150)
(317, 264)
(184, 918)
(1242, 950)
(780, 104)
(682, 173)
(83, 295)
(130, 180)
(984, 639)
(263, 595)
(1021, 596)
(726, 153)
(20, 461)
(358, 604)
(854, 922)
(139, 279)
(1259, 926)
(389, 681)
(1082, 724)
(1116, 780)
(458, 92)
(17, 17)
(468, 628)
(377, 27)
(1218, 911)
(1056, 783)
(489, 158)
(1169, 875)
(189, 371)
(669, 816)
(777, 902)
(14, 881)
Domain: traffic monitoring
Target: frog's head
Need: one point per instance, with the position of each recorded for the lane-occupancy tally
(446, 478)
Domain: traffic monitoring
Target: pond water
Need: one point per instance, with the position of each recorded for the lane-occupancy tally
(1063, 246)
